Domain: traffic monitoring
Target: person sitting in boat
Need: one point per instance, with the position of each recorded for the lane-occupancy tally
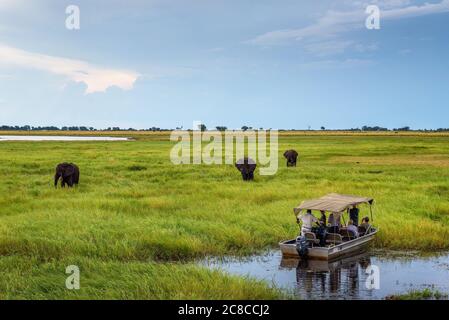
(351, 227)
(334, 223)
(307, 222)
(365, 225)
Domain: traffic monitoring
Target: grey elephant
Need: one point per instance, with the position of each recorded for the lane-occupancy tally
(291, 156)
(246, 166)
(69, 173)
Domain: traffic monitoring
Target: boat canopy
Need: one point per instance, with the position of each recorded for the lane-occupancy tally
(332, 202)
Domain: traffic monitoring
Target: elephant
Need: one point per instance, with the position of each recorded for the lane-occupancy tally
(69, 173)
(291, 156)
(246, 166)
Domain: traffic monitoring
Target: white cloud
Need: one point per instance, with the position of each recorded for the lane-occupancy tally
(326, 48)
(336, 22)
(337, 64)
(366, 47)
(405, 52)
(6, 4)
(97, 79)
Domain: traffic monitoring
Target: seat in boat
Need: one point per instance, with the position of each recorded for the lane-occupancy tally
(362, 230)
(347, 234)
(333, 238)
(311, 237)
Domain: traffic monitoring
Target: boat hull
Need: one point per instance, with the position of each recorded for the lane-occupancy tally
(288, 248)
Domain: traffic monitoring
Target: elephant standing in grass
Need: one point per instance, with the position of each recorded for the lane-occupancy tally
(246, 166)
(69, 173)
(291, 156)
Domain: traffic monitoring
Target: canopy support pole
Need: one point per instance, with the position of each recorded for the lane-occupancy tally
(371, 212)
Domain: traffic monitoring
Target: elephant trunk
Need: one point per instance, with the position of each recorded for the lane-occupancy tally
(57, 176)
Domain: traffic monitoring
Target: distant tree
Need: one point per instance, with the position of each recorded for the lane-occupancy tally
(202, 127)
(323, 128)
(402, 129)
(376, 128)
(244, 128)
(221, 128)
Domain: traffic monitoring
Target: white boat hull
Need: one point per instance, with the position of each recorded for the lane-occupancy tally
(288, 248)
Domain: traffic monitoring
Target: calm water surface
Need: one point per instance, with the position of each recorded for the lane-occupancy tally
(60, 138)
(346, 278)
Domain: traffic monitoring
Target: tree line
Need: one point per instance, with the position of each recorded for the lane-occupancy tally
(202, 127)
(73, 128)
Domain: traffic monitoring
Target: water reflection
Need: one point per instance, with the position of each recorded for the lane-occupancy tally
(345, 278)
(340, 279)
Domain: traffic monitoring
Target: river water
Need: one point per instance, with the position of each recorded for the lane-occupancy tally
(399, 272)
(60, 138)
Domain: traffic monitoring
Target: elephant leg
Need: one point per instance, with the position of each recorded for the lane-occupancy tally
(251, 176)
(63, 183)
(57, 176)
(70, 181)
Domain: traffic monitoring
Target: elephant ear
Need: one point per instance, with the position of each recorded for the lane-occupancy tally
(286, 153)
(240, 164)
(69, 170)
(251, 164)
(295, 154)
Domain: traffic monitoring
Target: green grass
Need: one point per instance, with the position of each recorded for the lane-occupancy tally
(425, 294)
(136, 222)
(30, 278)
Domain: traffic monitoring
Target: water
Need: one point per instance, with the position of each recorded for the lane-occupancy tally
(60, 138)
(343, 279)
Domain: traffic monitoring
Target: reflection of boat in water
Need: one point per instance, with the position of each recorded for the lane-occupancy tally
(340, 279)
(335, 245)
(324, 265)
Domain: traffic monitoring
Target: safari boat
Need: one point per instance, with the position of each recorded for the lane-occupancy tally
(334, 245)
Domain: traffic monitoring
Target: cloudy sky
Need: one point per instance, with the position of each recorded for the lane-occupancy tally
(264, 63)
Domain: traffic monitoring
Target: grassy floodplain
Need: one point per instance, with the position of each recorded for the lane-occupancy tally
(136, 222)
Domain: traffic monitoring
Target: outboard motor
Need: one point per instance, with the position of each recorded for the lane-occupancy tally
(302, 246)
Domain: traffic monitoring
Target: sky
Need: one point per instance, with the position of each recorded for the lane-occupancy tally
(278, 64)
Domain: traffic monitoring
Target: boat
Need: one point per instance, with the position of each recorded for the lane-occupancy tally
(336, 245)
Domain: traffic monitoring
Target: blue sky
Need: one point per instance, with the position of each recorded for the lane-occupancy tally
(272, 64)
